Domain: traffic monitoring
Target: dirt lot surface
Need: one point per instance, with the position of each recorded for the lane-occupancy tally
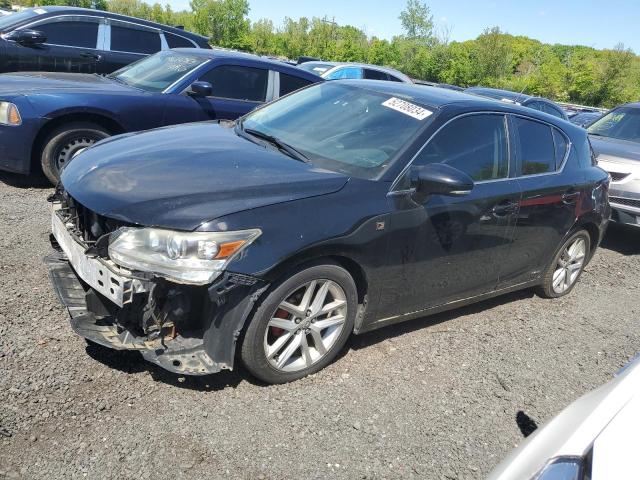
(435, 398)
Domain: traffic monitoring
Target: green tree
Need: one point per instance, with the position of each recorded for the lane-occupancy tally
(417, 22)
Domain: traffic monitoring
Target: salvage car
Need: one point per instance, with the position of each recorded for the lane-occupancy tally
(354, 71)
(616, 141)
(47, 118)
(278, 237)
(594, 438)
(82, 40)
(537, 103)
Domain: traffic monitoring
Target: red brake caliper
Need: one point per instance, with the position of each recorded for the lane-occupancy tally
(280, 313)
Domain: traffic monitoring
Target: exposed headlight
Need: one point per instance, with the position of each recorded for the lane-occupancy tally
(566, 468)
(186, 257)
(9, 114)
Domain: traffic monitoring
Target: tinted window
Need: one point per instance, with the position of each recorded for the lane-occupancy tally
(551, 110)
(476, 144)
(536, 148)
(345, 72)
(126, 39)
(375, 75)
(289, 83)
(560, 143)
(176, 41)
(394, 79)
(70, 33)
(241, 83)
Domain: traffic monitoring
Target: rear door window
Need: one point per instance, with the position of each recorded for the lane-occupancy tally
(176, 41)
(70, 33)
(289, 83)
(238, 82)
(536, 148)
(560, 144)
(475, 144)
(134, 40)
(375, 75)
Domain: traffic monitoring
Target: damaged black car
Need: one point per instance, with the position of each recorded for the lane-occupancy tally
(336, 210)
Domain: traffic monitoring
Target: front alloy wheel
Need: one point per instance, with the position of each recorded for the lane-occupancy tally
(301, 324)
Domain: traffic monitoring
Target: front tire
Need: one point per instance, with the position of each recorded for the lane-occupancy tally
(567, 266)
(301, 325)
(66, 141)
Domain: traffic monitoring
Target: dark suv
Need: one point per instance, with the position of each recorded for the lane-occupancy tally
(64, 39)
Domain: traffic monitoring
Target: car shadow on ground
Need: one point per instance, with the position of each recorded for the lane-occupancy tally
(24, 181)
(131, 362)
(371, 338)
(622, 239)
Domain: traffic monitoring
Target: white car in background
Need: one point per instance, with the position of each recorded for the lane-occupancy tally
(595, 438)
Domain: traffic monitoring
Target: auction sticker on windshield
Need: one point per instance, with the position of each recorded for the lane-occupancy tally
(407, 108)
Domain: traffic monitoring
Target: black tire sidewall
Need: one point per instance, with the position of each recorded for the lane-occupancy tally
(61, 135)
(547, 285)
(252, 349)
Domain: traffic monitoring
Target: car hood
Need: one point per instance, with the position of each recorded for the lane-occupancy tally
(181, 177)
(615, 150)
(60, 82)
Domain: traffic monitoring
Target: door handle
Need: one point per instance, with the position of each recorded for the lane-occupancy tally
(93, 56)
(570, 197)
(505, 208)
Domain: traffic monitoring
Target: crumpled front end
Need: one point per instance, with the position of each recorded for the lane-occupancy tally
(185, 329)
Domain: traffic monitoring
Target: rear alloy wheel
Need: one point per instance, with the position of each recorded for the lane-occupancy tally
(567, 266)
(301, 325)
(65, 142)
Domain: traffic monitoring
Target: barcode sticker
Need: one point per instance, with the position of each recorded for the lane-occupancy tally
(407, 108)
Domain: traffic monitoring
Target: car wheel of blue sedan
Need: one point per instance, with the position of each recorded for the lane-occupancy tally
(65, 142)
(301, 325)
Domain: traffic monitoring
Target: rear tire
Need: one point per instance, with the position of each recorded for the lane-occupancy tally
(301, 325)
(66, 141)
(567, 266)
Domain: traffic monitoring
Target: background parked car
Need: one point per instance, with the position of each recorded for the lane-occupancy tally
(584, 119)
(65, 39)
(341, 70)
(50, 117)
(537, 103)
(616, 141)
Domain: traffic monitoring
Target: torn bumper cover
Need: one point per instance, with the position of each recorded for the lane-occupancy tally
(184, 329)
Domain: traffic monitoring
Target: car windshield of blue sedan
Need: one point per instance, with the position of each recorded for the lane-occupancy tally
(622, 123)
(158, 72)
(342, 127)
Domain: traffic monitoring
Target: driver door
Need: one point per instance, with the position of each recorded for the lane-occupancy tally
(450, 248)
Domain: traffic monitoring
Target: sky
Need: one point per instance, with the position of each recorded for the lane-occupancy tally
(575, 22)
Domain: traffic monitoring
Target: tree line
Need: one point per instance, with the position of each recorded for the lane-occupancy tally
(570, 73)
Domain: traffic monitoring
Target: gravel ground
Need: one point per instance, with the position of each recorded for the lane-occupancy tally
(435, 398)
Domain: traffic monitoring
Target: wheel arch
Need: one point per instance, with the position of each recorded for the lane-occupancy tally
(56, 120)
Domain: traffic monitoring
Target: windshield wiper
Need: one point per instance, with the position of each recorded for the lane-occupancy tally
(285, 147)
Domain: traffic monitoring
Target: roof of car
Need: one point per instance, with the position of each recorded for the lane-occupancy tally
(389, 70)
(499, 94)
(233, 54)
(160, 26)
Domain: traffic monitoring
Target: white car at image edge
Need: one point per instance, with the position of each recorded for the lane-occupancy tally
(595, 438)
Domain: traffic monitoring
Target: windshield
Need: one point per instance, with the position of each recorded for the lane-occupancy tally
(342, 127)
(622, 123)
(157, 72)
(15, 18)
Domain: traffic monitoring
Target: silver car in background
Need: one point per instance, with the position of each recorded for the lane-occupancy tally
(615, 139)
(354, 71)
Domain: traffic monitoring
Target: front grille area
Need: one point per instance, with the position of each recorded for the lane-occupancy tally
(618, 176)
(88, 224)
(629, 202)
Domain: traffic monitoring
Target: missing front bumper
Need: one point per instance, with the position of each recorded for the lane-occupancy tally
(179, 354)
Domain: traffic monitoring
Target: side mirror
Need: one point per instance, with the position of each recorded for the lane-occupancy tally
(27, 37)
(201, 89)
(439, 179)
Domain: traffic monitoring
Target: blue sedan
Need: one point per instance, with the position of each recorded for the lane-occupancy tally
(48, 118)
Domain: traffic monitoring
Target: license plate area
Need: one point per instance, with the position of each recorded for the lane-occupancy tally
(94, 272)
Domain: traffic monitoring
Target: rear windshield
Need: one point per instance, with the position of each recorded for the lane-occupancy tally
(16, 18)
(622, 123)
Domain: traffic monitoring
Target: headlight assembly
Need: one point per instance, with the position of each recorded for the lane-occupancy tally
(186, 257)
(9, 114)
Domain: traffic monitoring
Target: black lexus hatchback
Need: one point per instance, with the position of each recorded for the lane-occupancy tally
(333, 211)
